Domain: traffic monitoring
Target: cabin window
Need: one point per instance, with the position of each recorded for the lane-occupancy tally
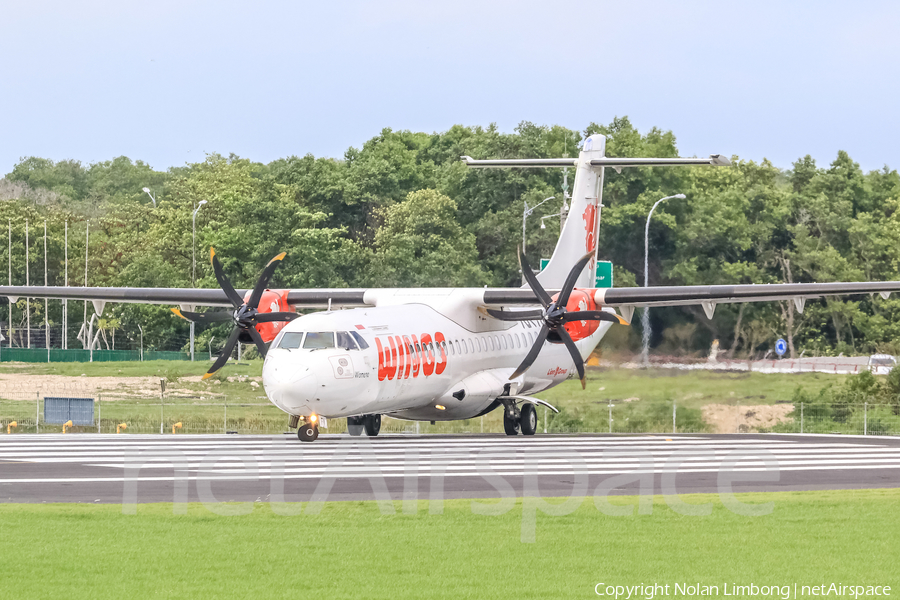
(363, 345)
(316, 340)
(450, 345)
(290, 340)
(518, 340)
(345, 340)
(505, 342)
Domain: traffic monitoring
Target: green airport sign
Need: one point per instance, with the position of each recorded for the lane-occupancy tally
(603, 276)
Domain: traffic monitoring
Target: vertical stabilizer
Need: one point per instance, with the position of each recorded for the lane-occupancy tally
(579, 235)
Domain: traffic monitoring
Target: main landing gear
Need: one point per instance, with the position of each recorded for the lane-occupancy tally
(519, 419)
(370, 423)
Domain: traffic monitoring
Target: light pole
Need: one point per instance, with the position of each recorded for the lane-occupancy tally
(527, 213)
(645, 318)
(194, 262)
(147, 191)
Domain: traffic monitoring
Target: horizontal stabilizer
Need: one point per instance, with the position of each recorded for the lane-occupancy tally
(715, 160)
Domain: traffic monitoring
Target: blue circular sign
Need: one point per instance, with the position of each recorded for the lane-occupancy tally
(780, 347)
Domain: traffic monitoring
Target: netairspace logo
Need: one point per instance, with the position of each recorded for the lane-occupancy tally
(785, 592)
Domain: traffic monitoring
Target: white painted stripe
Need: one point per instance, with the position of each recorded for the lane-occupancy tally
(367, 475)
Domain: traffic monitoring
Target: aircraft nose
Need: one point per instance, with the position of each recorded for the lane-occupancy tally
(289, 384)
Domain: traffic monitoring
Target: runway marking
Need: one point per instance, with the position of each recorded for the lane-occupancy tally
(273, 457)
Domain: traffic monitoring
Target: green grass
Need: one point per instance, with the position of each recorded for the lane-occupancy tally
(150, 368)
(351, 550)
(692, 389)
(642, 399)
(651, 393)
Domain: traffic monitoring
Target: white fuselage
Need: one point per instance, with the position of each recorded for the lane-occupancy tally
(413, 362)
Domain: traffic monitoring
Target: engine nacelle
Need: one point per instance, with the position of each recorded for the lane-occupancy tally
(580, 300)
(271, 301)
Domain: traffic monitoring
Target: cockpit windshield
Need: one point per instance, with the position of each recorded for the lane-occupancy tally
(316, 340)
(290, 340)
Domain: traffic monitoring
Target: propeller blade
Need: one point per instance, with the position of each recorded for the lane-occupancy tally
(573, 351)
(571, 278)
(225, 354)
(593, 315)
(533, 353)
(276, 316)
(226, 286)
(533, 282)
(263, 282)
(207, 317)
(257, 339)
(521, 315)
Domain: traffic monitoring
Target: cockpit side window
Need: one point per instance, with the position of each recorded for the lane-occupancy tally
(345, 340)
(363, 345)
(290, 340)
(318, 339)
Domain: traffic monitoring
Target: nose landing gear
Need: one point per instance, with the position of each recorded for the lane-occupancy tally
(308, 430)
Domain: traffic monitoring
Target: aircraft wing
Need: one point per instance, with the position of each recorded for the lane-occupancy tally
(708, 296)
(338, 297)
(624, 298)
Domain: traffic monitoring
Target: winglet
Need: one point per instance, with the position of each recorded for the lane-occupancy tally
(622, 321)
(207, 376)
(279, 257)
(212, 253)
(177, 312)
(583, 384)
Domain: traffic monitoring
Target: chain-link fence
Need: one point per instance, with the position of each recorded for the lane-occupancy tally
(29, 412)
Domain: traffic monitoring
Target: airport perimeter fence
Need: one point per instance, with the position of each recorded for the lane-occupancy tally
(37, 412)
(828, 365)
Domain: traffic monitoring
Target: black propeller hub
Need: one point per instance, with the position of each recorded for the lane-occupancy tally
(553, 315)
(245, 316)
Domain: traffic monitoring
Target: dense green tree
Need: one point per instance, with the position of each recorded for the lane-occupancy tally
(422, 244)
(402, 209)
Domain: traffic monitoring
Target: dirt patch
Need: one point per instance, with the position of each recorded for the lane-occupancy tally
(64, 384)
(724, 418)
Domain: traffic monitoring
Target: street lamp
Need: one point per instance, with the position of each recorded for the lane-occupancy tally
(526, 213)
(147, 191)
(194, 243)
(645, 318)
(194, 262)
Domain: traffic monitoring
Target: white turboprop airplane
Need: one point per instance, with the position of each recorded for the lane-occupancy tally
(440, 354)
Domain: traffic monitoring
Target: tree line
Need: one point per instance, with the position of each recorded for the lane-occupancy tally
(403, 210)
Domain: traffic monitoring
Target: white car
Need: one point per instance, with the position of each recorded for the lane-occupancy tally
(881, 364)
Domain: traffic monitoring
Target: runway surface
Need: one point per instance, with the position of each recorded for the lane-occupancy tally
(154, 468)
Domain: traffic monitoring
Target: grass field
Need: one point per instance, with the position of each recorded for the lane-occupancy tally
(351, 550)
(642, 399)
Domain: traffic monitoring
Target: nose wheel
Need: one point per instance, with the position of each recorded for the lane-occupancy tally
(308, 432)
